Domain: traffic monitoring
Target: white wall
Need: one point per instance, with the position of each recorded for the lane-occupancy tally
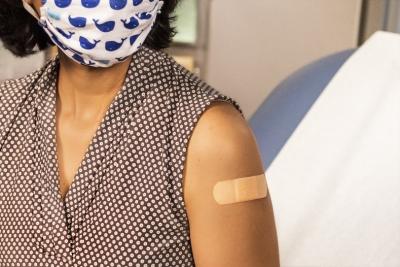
(253, 46)
(13, 67)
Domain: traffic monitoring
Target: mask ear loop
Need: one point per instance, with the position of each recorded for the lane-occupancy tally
(30, 9)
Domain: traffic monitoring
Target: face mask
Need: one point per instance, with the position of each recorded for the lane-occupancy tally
(97, 33)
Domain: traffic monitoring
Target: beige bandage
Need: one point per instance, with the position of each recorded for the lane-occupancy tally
(240, 189)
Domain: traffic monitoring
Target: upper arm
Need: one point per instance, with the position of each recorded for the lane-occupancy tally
(223, 147)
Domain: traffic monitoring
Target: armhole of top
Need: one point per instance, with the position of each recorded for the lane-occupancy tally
(186, 123)
(226, 99)
(201, 97)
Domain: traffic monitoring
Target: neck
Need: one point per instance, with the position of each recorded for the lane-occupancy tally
(85, 92)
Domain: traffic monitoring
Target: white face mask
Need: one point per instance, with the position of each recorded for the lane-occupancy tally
(97, 33)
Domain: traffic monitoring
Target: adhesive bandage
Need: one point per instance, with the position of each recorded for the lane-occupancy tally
(240, 189)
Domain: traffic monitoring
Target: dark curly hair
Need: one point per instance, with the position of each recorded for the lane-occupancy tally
(20, 31)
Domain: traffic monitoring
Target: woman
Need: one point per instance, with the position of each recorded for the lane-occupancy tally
(96, 165)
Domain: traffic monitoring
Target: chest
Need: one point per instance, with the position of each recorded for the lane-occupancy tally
(131, 195)
(73, 138)
(124, 202)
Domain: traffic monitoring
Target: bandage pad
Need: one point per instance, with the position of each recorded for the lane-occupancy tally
(240, 189)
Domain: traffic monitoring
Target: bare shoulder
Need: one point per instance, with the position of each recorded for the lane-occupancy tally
(223, 146)
(221, 128)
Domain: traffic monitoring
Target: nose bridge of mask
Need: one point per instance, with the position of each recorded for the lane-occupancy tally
(30, 9)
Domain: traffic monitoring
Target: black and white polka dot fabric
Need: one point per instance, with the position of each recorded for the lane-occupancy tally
(125, 206)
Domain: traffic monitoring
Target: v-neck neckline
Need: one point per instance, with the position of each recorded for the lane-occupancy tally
(93, 139)
(64, 217)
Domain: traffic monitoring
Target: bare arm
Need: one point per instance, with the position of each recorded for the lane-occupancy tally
(238, 234)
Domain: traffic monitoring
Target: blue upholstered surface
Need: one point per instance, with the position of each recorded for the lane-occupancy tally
(282, 111)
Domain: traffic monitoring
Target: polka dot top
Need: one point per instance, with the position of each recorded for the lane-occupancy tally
(125, 206)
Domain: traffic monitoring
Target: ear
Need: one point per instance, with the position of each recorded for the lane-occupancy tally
(36, 5)
(33, 10)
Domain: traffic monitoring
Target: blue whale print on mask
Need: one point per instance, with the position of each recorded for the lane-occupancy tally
(133, 38)
(144, 15)
(86, 44)
(112, 45)
(58, 43)
(63, 33)
(62, 3)
(90, 3)
(81, 60)
(99, 33)
(106, 26)
(73, 50)
(118, 4)
(130, 24)
(79, 22)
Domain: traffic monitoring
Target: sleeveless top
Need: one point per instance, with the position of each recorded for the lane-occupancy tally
(125, 205)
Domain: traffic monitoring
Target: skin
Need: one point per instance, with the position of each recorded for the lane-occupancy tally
(83, 96)
(221, 147)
